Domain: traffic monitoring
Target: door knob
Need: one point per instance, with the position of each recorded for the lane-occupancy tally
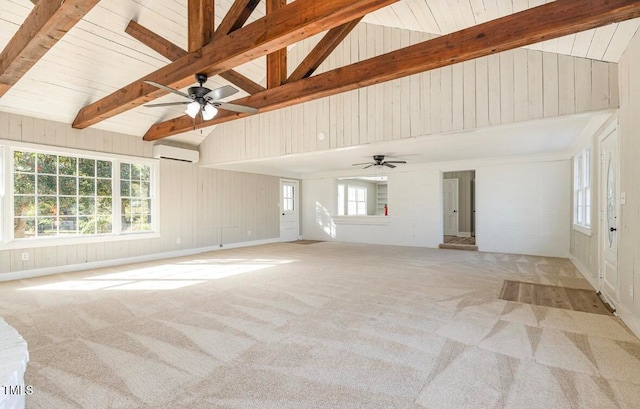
(283, 214)
(455, 211)
(612, 229)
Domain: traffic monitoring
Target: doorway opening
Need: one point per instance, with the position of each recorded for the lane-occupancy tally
(459, 210)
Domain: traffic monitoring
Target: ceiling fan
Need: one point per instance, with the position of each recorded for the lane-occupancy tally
(378, 160)
(202, 100)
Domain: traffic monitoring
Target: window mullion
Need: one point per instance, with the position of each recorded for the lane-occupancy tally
(116, 207)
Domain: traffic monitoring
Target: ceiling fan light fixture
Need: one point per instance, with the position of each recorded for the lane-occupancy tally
(193, 109)
(208, 112)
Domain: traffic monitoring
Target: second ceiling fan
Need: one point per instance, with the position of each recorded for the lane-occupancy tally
(378, 160)
(202, 100)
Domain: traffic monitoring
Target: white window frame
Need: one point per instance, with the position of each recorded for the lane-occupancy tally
(357, 190)
(7, 240)
(342, 199)
(582, 188)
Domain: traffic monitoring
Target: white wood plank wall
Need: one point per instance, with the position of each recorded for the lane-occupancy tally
(201, 206)
(517, 85)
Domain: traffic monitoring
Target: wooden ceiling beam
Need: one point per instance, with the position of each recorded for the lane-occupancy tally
(242, 82)
(277, 60)
(322, 50)
(201, 19)
(47, 23)
(292, 23)
(172, 52)
(237, 15)
(548, 21)
(152, 40)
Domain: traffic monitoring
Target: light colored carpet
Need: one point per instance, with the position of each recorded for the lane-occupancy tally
(331, 325)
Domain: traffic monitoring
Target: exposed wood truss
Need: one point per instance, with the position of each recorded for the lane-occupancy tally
(172, 52)
(322, 50)
(201, 23)
(277, 60)
(152, 40)
(47, 23)
(242, 82)
(235, 18)
(287, 25)
(551, 20)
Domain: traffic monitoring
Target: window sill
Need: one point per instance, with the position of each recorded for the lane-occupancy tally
(584, 230)
(363, 220)
(70, 241)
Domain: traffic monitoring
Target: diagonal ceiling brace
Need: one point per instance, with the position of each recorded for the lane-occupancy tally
(289, 24)
(548, 21)
(237, 15)
(322, 50)
(47, 23)
(172, 52)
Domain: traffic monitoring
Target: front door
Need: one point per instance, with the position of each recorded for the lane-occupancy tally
(450, 206)
(289, 215)
(609, 202)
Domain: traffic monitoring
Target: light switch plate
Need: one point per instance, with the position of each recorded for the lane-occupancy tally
(623, 198)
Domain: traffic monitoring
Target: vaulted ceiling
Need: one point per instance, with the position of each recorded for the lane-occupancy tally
(103, 52)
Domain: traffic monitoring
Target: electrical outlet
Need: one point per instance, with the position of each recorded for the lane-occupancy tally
(178, 240)
(25, 256)
(631, 291)
(248, 232)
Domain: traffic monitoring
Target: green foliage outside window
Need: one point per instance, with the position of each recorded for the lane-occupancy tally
(56, 195)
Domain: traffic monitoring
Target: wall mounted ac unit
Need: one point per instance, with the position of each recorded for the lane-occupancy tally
(175, 153)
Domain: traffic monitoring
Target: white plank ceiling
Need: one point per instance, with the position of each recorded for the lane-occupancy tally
(97, 57)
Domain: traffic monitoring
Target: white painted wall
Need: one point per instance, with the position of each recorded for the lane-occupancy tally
(412, 201)
(522, 207)
(513, 86)
(629, 218)
(202, 207)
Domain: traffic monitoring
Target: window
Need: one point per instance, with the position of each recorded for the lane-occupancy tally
(287, 198)
(582, 189)
(58, 194)
(357, 201)
(361, 196)
(135, 197)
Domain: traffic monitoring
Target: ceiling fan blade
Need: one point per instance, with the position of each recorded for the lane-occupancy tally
(236, 108)
(387, 164)
(395, 161)
(168, 89)
(220, 93)
(368, 166)
(366, 163)
(166, 104)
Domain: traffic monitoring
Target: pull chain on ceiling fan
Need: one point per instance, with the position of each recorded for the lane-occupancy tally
(202, 100)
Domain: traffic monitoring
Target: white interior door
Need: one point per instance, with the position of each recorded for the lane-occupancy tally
(289, 215)
(609, 202)
(450, 206)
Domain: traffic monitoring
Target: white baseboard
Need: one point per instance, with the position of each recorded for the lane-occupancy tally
(631, 320)
(591, 278)
(464, 234)
(19, 275)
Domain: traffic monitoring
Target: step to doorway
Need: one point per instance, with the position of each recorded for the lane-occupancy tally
(453, 246)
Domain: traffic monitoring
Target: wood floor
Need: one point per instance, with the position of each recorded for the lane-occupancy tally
(459, 240)
(552, 296)
(459, 243)
(306, 241)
